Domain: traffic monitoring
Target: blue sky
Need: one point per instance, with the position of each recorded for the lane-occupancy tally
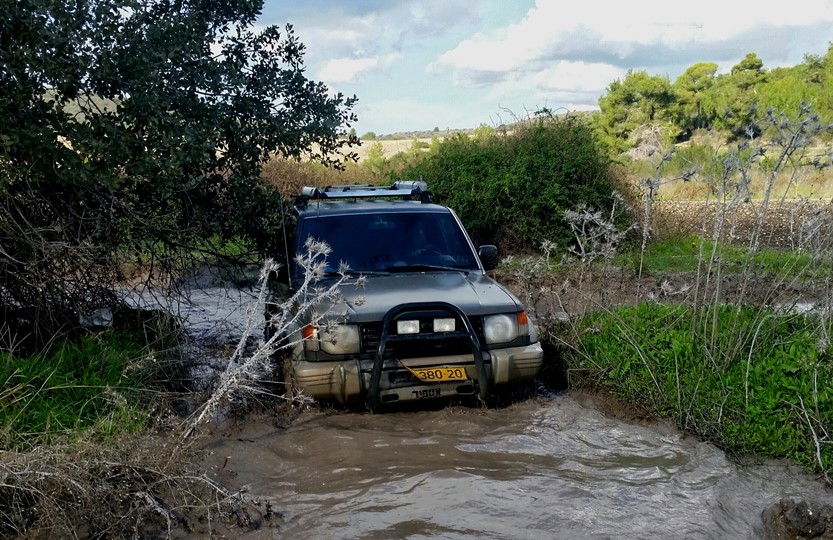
(421, 64)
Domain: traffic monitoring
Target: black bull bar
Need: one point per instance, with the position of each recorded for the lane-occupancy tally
(386, 338)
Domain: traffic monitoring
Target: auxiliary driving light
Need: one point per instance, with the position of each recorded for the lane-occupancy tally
(407, 327)
(444, 325)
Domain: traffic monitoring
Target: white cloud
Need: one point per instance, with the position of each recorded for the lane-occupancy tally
(636, 34)
(339, 70)
(411, 115)
(343, 29)
(345, 69)
(577, 77)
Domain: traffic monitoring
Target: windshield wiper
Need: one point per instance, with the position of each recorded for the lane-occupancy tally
(352, 272)
(425, 267)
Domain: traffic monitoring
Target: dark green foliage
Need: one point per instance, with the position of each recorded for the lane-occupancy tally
(138, 128)
(690, 90)
(512, 189)
(766, 395)
(637, 101)
(699, 98)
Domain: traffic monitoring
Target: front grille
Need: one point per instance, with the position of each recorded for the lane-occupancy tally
(424, 344)
(371, 334)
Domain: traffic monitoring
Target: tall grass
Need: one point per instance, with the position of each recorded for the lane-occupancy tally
(792, 179)
(99, 382)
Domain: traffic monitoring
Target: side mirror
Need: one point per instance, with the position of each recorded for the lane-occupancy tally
(488, 256)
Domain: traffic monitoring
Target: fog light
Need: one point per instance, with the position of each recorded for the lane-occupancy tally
(407, 327)
(444, 325)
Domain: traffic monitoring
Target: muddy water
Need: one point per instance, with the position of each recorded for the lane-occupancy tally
(556, 466)
(550, 467)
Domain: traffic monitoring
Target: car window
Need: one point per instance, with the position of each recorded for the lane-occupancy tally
(385, 241)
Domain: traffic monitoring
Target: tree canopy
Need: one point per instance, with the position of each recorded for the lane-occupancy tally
(135, 128)
(637, 100)
(701, 98)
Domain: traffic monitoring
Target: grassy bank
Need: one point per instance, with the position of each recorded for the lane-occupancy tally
(99, 385)
(748, 379)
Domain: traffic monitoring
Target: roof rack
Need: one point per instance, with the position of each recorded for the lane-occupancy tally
(404, 189)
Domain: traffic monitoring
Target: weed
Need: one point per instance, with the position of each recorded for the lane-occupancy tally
(754, 403)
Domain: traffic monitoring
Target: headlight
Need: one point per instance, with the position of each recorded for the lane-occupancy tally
(504, 328)
(339, 339)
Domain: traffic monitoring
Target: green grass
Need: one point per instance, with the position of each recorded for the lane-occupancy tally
(682, 255)
(95, 382)
(754, 384)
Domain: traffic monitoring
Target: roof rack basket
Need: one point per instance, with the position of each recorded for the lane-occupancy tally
(405, 189)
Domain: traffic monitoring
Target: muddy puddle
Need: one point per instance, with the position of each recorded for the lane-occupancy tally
(549, 467)
(553, 466)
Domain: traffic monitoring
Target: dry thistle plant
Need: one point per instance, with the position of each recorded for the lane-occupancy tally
(596, 235)
(555, 300)
(305, 304)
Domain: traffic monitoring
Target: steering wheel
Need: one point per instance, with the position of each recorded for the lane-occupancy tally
(435, 256)
(375, 261)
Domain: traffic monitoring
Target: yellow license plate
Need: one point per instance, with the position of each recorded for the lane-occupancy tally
(440, 374)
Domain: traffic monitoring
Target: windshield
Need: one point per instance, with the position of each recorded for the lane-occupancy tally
(391, 242)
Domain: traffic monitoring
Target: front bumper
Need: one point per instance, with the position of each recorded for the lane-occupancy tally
(350, 381)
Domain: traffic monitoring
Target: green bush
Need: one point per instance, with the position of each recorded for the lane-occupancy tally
(754, 384)
(513, 189)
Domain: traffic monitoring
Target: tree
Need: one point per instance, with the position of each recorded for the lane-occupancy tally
(786, 91)
(689, 89)
(637, 100)
(817, 72)
(748, 73)
(136, 130)
(733, 100)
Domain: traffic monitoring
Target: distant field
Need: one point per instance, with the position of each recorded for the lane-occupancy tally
(389, 148)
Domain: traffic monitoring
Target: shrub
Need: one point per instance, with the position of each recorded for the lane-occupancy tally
(513, 189)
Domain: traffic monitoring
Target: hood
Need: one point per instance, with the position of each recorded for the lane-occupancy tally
(473, 293)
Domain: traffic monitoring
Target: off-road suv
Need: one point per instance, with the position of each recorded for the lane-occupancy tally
(426, 321)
